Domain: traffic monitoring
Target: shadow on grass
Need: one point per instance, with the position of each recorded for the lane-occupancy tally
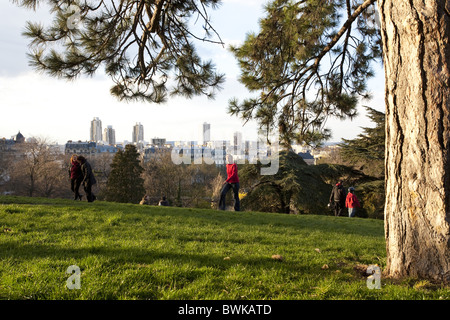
(137, 256)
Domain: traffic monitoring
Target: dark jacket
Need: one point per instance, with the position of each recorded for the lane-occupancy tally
(88, 175)
(338, 194)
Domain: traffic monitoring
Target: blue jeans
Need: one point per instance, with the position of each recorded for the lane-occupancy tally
(226, 187)
(351, 212)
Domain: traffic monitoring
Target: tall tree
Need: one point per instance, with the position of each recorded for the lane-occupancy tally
(308, 63)
(125, 183)
(144, 45)
(329, 53)
(417, 63)
(285, 60)
(368, 148)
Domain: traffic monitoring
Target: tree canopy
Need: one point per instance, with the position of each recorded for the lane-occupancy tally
(146, 46)
(310, 60)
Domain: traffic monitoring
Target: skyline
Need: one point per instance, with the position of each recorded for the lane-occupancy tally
(101, 133)
(38, 105)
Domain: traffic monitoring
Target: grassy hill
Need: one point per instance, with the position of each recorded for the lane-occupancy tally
(129, 251)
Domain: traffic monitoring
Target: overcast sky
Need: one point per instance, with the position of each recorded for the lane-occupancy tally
(59, 111)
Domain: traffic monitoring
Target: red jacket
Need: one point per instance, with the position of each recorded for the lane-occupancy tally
(351, 201)
(232, 173)
(75, 170)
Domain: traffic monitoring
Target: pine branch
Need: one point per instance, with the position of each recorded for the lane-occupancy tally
(139, 42)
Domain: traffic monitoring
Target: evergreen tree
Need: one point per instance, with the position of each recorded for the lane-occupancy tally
(283, 63)
(307, 64)
(144, 45)
(296, 187)
(125, 183)
(369, 147)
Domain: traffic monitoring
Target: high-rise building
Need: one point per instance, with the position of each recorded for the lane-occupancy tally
(96, 130)
(109, 135)
(138, 133)
(206, 136)
(237, 139)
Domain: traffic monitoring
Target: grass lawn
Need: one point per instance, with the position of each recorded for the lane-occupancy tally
(129, 251)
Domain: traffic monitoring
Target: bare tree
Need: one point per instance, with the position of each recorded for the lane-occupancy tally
(40, 169)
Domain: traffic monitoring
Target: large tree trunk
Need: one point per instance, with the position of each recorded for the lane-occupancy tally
(417, 212)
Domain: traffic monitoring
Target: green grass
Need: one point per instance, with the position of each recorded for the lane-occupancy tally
(129, 251)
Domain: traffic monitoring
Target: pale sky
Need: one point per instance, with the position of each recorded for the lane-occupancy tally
(57, 110)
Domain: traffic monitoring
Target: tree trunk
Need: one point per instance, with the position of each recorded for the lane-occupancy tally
(417, 211)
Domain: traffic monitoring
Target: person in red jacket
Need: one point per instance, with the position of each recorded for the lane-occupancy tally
(232, 182)
(75, 176)
(351, 202)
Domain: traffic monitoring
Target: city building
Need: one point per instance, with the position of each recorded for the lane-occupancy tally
(89, 148)
(96, 130)
(159, 142)
(109, 135)
(10, 148)
(307, 157)
(237, 139)
(206, 133)
(138, 133)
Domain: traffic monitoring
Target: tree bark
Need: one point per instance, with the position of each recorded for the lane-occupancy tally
(417, 211)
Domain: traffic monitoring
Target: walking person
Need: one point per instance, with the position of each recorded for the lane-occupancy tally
(232, 182)
(88, 178)
(351, 202)
(76, 176)
(337, 198)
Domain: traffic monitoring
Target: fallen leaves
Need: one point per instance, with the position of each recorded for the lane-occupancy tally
(277, 257)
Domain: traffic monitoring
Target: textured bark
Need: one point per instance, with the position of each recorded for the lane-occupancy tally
(417, 212)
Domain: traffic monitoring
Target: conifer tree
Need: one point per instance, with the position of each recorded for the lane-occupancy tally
(283, 66)
(125, 183)
(144, 45)
(308, 63)
(296, 187)
(369, 147)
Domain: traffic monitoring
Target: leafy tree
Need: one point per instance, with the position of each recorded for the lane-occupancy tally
(125, 183)
(369, 147)
(307, 64)
(144, 45)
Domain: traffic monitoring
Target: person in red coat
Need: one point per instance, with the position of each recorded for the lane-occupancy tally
(76, 177)
(232, 182)
(351, 202)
